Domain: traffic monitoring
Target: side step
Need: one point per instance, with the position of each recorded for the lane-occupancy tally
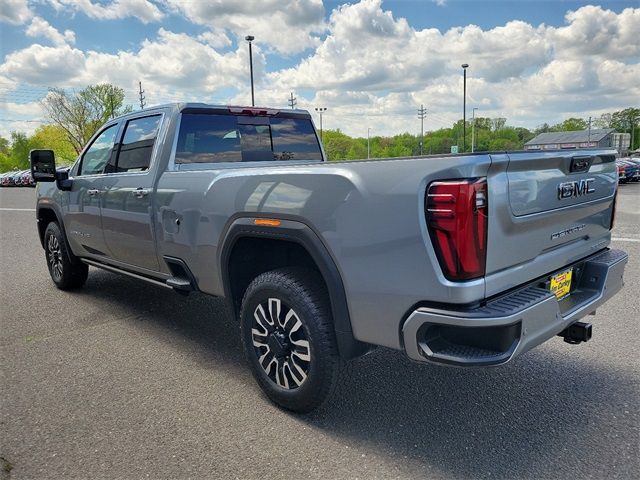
(113, 269)
(182, 281)
(180, 285)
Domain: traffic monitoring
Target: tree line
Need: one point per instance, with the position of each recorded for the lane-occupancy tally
(73, 118)
(490, 134)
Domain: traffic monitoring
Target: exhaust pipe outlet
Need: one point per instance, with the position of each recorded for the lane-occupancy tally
(577, 333)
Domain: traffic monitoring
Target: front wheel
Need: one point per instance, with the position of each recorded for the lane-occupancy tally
(65, 275)
(288, 337)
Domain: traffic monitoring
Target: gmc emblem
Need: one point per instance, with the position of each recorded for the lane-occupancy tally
(577, 188)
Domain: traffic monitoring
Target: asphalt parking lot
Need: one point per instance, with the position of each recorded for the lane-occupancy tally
(125, 380)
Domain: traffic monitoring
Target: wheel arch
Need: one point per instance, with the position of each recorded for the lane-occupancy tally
(46, 214)
(307, 242)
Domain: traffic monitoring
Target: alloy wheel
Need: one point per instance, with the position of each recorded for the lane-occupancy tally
(281, 344)
(54, 255)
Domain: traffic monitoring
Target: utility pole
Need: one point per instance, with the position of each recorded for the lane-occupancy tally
(142, 97)
(473, 129)
(321, 110)
(368, 143)
(293, 101)
(589, 137)
(422, 112)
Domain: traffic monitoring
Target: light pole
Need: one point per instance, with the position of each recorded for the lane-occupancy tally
(321, 110)
(251, 38)
(368, 142)
(464, 107)
(473, 129)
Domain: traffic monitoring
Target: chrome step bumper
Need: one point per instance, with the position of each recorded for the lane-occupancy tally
(513, 323)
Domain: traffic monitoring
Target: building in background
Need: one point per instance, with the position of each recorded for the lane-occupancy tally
(600, 137)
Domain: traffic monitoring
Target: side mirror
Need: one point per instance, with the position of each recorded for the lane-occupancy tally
(43, 165)
(43, 169)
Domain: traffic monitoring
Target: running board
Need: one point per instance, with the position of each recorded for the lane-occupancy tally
(125, 272)
(180, 285)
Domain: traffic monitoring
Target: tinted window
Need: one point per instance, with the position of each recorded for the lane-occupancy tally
(208, 138)
(205, 138)
(137, 145)
(96, 157)
(294, 139)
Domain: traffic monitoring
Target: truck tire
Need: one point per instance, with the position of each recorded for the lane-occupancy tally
(65, 275)
(288, 337)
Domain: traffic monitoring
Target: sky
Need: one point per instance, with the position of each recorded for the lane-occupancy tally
(371, 63)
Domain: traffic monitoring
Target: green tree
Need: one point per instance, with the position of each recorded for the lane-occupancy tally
(20, 147)
(5, 148)
(336, 144)
(498, 123)
(571, 124)
(81, 114)
(53, 137)
(603, 121)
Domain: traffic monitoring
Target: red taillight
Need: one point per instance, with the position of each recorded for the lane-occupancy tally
(457, 219)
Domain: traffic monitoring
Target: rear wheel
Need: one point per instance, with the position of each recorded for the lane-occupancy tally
(288, 337)
(65, 275)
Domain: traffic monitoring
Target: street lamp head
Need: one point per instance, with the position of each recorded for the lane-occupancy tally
(465, 65)
(249, 38)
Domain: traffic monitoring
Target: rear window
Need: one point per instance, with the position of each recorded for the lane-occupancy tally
(211, 138)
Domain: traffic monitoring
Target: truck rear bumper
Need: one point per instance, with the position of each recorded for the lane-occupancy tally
(511, 324)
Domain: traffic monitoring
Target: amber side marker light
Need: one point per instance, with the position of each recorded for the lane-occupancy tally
(267, 222)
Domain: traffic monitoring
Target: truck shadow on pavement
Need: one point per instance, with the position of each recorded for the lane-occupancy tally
(537, 417)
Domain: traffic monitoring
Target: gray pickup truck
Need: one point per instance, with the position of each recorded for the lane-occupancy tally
(465, 260)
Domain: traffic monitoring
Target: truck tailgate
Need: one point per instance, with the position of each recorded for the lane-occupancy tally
(546, 209)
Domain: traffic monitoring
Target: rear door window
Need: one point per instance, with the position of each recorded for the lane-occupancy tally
(208, 138)
(135, 151)
(214, 138)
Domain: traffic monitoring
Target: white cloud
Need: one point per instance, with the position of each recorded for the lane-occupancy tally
(22, 117)
(29, 110)
(216, 38)
(518, 71)
(287, 26)
(369, 67)
(40, 65)
(144, 10)
(15, 12)
(42, 28)
(593, 31)
(172, 67)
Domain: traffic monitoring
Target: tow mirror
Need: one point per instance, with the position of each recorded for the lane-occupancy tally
(43, 169)
(43, 165)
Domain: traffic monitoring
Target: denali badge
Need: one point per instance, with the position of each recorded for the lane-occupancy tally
(577, 188)
(568, 231)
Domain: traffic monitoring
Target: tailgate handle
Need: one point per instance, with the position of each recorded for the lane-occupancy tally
(581, 163)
